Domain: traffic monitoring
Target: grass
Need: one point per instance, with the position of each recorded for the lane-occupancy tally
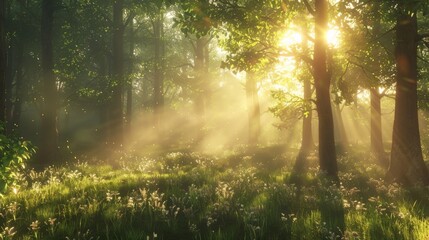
(241, 194)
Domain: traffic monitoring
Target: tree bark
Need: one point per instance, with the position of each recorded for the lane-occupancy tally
(118, 74)
(19, 75)
(377, 148)
(199, 73)
(2, 63)
(48, 130)
(376, 131)
(129, 114)
(253, 109)
(406, 164)
(327, 154)
(158, 28)
(339, 129)
(307, 143)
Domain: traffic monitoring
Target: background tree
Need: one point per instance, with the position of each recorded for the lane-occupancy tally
(2, 63)
(371, 64)
(322, 82)
(48, 131)
(406, 163)
(116, 104)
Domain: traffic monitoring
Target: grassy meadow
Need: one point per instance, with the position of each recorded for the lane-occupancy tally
(237, 194)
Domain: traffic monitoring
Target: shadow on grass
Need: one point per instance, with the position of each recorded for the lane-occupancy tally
(330, 201)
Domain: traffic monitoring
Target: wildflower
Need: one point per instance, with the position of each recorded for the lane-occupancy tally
(283, 217)
(8, 232)
(360, 206)
(130, 203)
(110, 195)
(51, 221)
(35, 226)
(372, 199)
(210, 221)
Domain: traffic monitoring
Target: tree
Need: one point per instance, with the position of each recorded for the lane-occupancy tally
(322, 81)
(158, 77)
(2, 63)
(253, 108)
(116, 104)
(195, 22)
(307, 143)
(406, 165)
(48, 145)
(129, 108)
(370, 64)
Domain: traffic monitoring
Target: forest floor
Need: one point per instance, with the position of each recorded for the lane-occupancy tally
(236, 194)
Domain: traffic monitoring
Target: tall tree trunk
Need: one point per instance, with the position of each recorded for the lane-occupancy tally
(207, 76)
(202, 89)
(200, 76)
(2, 62)
(339, 129)
(376, 131)
(129, 114)
(10, 76)
(253, 109)
(158, 28)
(307, 143)
(406, 164)
(118, 74)
(48, 131)
(322, 80)
(19, 75)
(376, 136)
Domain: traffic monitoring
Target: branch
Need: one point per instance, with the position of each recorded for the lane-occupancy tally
(384, 34)
(309, 8)
(425, 43)
(422, 36)
(129, 19)
(422, 59)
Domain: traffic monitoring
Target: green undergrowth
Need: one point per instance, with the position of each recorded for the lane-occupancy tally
(240, 194)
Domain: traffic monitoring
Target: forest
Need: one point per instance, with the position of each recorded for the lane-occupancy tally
(214, 119)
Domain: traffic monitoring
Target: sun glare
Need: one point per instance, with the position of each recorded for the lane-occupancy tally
(333, 37)
(290, 38)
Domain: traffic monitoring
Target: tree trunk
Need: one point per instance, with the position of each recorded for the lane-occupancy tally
(376, 131)
(130, 79)
(118, 74)
(48, 130)
(377, 148)
(9, 78)
(253, 109)
(207, 76)
(327, 154)
(406, 164)
(200, 83)
(19, 75)
(307, 143)
(2, 63)
(202, 92)
(158, 29)
(339, 129)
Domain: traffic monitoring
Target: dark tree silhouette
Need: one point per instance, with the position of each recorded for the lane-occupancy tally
(2, 63)
(48, 145)
(322, 81)
(406, 164)
(116, 105)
